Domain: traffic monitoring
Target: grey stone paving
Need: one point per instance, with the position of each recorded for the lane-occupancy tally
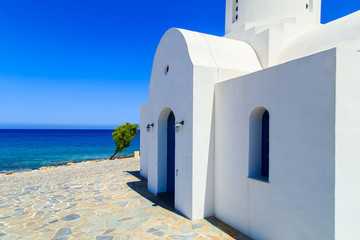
(98, 200)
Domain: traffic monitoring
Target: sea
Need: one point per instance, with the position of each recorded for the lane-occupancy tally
(25, 150)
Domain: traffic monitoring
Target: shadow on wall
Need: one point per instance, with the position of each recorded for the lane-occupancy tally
(209, 191)
(141, 188)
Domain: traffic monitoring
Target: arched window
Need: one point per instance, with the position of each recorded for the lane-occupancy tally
(265, 145)
(259, 144)
(310, 6)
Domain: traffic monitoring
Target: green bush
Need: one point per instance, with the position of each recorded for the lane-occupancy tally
(123, 136)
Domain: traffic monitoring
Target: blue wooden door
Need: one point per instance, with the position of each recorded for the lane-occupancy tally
(171, 154)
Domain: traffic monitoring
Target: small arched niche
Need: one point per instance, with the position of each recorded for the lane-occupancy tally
(259, 143)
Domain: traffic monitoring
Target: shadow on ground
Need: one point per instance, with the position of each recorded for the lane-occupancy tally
(227, 229)
(141, 188)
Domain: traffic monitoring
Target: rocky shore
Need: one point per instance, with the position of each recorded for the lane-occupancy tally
(50, 167)
(136, 154)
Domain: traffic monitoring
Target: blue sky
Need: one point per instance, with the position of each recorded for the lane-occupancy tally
(87, 64)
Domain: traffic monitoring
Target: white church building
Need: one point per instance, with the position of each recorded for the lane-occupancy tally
(261, 127)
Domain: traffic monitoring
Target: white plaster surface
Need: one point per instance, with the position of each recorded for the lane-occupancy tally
(299, 198)
(145, 139)
(164, 97)
(310, 88)
(343, 32)
(347, 195)
(196, 62)
(268, 25)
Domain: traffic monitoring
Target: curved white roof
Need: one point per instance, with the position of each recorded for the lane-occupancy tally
(208, 50)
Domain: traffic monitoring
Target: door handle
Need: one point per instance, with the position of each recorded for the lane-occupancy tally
(177, 170)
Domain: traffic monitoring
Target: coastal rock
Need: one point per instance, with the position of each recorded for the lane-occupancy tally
(125, 156)
(95, 161)
(44, 168)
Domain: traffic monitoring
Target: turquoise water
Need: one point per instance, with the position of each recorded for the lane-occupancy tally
(30, 149)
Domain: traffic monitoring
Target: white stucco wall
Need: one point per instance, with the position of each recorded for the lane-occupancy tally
(347, 195)
(342, 33)
(196, 62)
(268, 25)
(171, 91)
(232, 58)
(215, 59)
(298, 201)
(204, 78)
(214, 84)
(145, 139)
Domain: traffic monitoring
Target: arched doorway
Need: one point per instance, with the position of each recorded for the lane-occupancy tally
(171, 154)
(166, 156)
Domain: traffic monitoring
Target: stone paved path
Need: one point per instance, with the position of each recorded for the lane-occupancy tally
(99, 200)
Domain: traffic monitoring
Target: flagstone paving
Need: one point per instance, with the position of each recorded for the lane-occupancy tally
(104, 200)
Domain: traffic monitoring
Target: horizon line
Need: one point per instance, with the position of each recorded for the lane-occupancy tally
(58, 129)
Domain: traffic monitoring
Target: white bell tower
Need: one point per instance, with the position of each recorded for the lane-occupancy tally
(240, 12)
(267, 24)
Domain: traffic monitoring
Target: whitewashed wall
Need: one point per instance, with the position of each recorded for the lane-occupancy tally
(212, 148)
(171, 91)
(298, 202)
(145, 139)
(347, 194)
(342, 33)
(215, 59)
(196, 62)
